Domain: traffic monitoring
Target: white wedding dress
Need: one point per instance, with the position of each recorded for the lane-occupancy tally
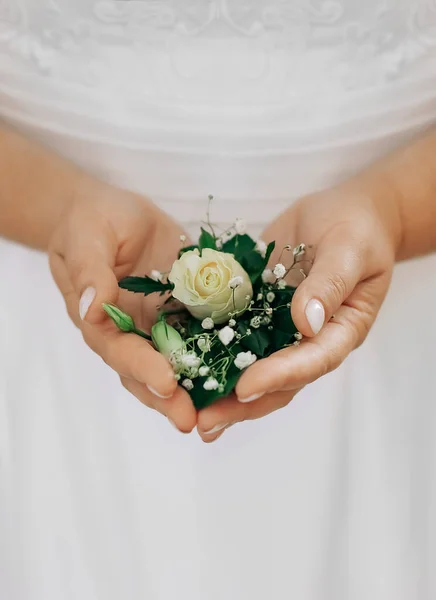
(257, 102)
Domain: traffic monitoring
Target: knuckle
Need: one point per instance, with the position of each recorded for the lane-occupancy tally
(328, 361)
(337, 287)
(77, 271)
(361, 328)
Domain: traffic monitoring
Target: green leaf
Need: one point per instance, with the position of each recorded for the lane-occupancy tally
(207, 240)
(187, 249)
(282, 320)
(194, 327)
(203, 398)
(279, 339)
(257, 341)
(255, 264)
(239, 246)
(269, 251)
(144, 285)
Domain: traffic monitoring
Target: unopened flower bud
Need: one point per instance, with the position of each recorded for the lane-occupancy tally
(121, 319)
(166, 339)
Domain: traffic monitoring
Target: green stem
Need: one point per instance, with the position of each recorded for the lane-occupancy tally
(142, 334)
(176, 311)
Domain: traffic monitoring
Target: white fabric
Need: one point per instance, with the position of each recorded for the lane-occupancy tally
(257, 102)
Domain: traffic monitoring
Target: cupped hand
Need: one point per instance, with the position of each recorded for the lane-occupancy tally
(355, 238)
(106, 234)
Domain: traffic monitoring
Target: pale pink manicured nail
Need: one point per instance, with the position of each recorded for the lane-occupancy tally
(156, 393)
(315, 314)
(86, 300)
(215, 429)
(251, 398)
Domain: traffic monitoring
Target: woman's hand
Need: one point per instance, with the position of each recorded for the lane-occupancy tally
(356, 238)
(105, 234)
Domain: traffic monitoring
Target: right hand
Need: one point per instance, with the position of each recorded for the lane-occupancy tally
(105, 234)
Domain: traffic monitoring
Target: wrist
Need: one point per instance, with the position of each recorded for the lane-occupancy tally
(385, 199)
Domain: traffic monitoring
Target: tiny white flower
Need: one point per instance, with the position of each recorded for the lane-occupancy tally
(232, 322)
(244, 359)
(270, 296)
(187, 384)
(248, 332)
(297, 343)
(268, 276)
(299, 250)
(211, 384)
(240, 226)
(219, 243)
(235, 282)
(183, 238)
(259, 296)
(204, 344)
(226, 335)
(279, 270)
(281, 284)
(298, 336)
(191, 360)
(269, 311)
(256, 322)
(208, 323)
(261, 247)
(203, 371)
(191, 373)
(177, 376)
(175, 359)
(156, 275)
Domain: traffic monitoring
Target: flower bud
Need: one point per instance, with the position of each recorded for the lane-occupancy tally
(121, 319)
(166, 339)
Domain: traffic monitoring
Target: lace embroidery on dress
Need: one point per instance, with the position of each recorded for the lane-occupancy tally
(268, 43)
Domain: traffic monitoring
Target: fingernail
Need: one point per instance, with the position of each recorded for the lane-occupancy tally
(86, 300)
(251, 398)
(315, 314)
(215, 429)
(215, 438)
(156, 393)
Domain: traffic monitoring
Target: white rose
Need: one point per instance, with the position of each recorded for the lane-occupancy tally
(201, 283)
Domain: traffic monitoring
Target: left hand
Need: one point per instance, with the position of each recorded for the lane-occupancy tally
(356, 238)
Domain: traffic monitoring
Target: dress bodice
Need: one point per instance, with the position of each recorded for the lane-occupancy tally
(219, 78)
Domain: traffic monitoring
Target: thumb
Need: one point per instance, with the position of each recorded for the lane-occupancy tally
(337, 269)
(90, 264)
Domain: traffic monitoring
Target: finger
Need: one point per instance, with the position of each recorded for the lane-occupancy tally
(62, 280)
(338, 267)
(293, 368)
(226, 412)
(208, 439)
(89, 255)
(131, 356)
(178, 409)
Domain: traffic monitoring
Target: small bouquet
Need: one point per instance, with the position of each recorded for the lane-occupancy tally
(222, 309)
